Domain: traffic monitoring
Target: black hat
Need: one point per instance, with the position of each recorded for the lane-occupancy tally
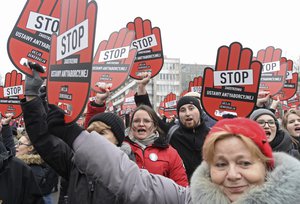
(189, 100)
(112, 120)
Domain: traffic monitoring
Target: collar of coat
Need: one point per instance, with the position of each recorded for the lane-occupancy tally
(31, 159)
(281, 186)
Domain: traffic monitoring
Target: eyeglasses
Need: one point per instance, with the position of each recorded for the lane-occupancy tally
(19, 143)
(145, 121)
(263, 123)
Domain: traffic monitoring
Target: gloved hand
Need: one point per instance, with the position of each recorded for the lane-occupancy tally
(58, 127)
(33, 83)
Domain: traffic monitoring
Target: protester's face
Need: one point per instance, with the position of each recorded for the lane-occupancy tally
(106, 132)
(267, 122)
(293, 125)
(234, 169)
(189, 115)
(23, 146)
(142, 125)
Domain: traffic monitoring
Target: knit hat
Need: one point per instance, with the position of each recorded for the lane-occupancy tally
(262, 111)
(112, 120)
(188, 100)
(247, 128)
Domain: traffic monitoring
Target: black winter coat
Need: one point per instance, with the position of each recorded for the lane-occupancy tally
(17, 182)
(59, 156)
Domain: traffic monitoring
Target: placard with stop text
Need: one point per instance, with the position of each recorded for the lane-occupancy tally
(148, 43)
(231, 88)
(30, 38)
(161, 109)
(170, 104)
(129, 103)
(113, 60)
(293, 102)
(291, 81)
(11, 93)
(196, 85)
(71, 55)
(274, 70)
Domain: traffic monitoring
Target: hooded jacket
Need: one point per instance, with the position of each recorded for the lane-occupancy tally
(17, 182)
(106, 164)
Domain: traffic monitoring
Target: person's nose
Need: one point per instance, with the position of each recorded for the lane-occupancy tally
(233, 173)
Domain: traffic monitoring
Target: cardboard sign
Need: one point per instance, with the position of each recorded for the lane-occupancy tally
(11, 93)
(274, 70)
(196, 85)
(129, 103)
(170, 104)
(291, 83)
(161, 108)
(293, 102)
(113, 60)
(149, 45)
(70, 71)
(30, 38)
(233, 86)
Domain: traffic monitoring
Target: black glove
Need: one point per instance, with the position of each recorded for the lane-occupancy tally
(33, 83)
(58, 127)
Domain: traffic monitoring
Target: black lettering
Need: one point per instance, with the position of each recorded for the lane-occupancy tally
(54, 27)
(47, 22)
(230, 75)
(81, 33)
(245, 76)
(150, 39)
(223, 76)
(237, 77)
(63, 45)
(74, 39)
(39, 20)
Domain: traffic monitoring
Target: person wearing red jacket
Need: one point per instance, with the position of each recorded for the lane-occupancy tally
(151, 148)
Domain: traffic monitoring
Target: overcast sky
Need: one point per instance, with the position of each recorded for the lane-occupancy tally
(191, 30)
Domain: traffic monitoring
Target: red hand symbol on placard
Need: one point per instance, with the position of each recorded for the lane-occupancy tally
(290, 87)
(267, 83)
(78, 17)
(34, 44)
(225, 100)
(120, 39)
(151, 59)
(11, 104)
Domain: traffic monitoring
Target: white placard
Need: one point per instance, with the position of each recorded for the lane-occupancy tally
(72, 41)
(42, 23)
(233, 78)
(114, 54)
(271, 67)
(144, 43)
(170, 104)
(13, 91)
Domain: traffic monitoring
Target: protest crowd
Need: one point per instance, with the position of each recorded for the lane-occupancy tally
(234, 140)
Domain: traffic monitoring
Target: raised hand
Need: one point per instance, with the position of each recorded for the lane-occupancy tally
(11, 93)
(274, 70)
(31, 36)
(113, 60)
(149, 45)
(233, 86)
(68, 82)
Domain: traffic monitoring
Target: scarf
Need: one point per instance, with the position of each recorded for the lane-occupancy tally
(144, 142)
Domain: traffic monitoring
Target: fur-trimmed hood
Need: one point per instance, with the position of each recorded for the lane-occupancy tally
(31, 159)
(281, 186)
